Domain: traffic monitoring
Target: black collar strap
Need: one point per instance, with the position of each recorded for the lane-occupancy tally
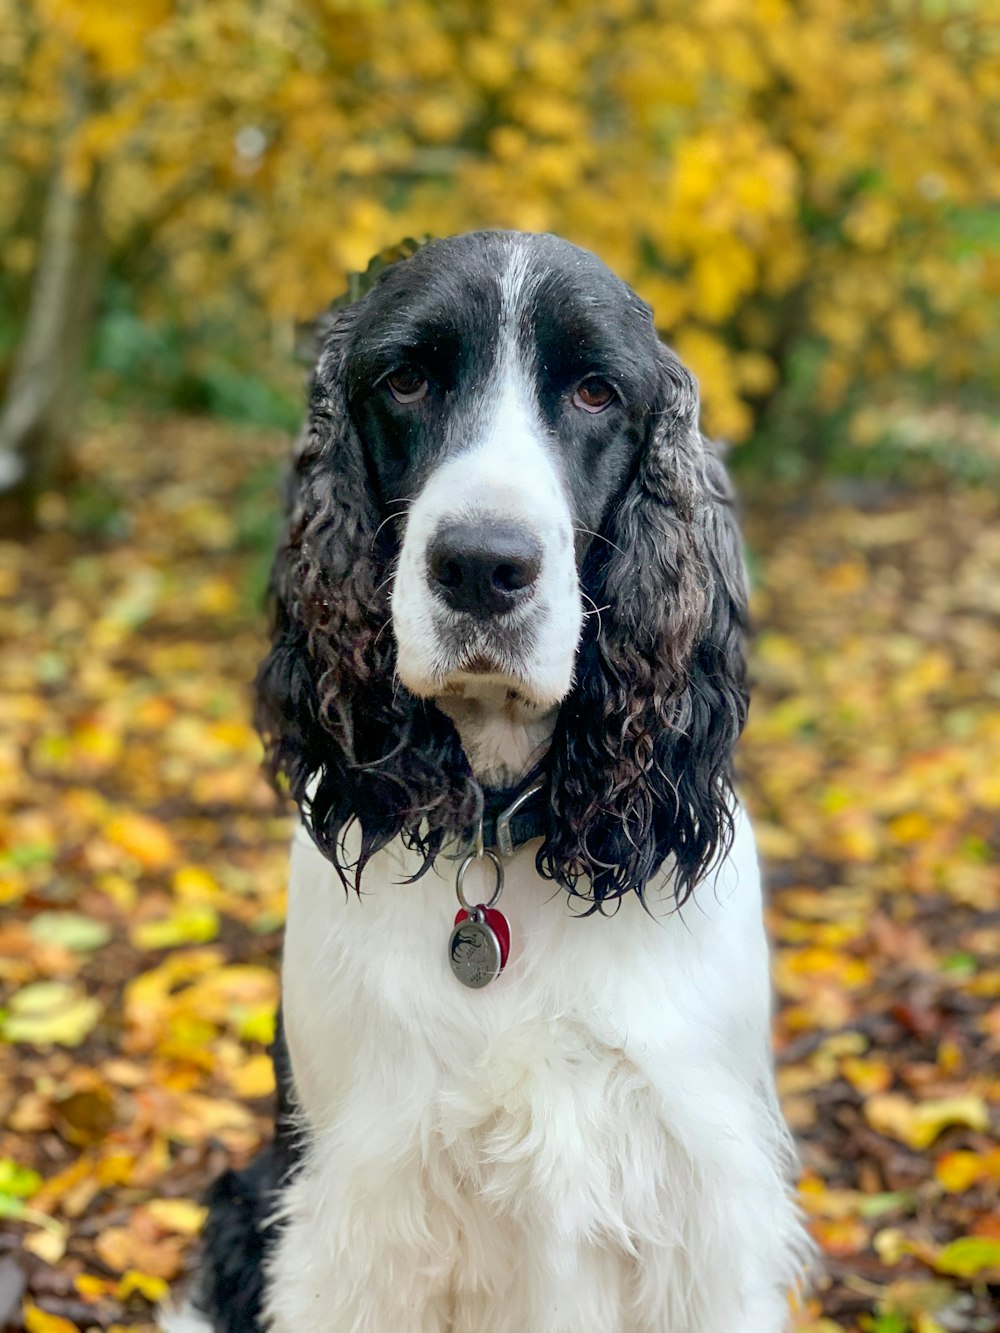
(511, 817)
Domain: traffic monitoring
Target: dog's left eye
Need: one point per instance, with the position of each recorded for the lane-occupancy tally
(593, 394)
(407, 384)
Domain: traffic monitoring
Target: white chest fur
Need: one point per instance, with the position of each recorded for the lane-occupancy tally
(590, 1142)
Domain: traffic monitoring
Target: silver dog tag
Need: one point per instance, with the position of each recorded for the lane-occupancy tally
(474, 951)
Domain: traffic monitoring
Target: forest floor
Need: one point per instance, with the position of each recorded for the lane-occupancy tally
(142, 865)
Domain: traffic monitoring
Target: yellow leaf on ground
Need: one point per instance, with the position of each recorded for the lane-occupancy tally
(867, 1076)
(919, 1124)
(93, 1288)
(152, 1288)
(240, 993)
(191, 923)
(181, 1216)
(194, 1118)
(149, 996)
(145, 839)
(194, 883)
(925, 1323)
(50, 1011)
(956, 1171)
(840, 1236)
(819, 1200)
(254, 1078)
(37, 1320)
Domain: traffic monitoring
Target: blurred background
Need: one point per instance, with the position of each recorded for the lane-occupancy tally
(808, 194)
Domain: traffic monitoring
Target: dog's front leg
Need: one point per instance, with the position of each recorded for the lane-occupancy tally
(358, 1253)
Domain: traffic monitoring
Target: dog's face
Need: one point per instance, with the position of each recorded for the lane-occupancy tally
(503, 385)
(502, 496)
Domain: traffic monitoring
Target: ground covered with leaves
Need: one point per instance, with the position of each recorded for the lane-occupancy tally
(142, 863)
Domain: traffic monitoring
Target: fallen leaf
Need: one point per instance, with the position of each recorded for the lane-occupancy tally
(184, 1217)
(956, 1171)
(145, 839)
(151, 1288)
(254, 1078)
(19, 1182)
(867, 1076)
(85, 1117)
(892, 1243)
(48, 1243)
(194, 883)
(876, 1205)
(123, 1250)
(190, 923)
(970, 1256)
(919, 1124)
(92, 1288)
(71, 930)
(841, 1236)
(37, 1320)
(50, 1011)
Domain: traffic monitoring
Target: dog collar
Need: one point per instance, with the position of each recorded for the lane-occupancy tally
(511, 817)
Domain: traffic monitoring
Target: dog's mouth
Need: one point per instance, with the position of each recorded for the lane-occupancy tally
(484, 679)
(486, 666)
(469, 685)
(481, 664)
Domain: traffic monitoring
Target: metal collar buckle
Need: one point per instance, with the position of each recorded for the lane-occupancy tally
(504, 837)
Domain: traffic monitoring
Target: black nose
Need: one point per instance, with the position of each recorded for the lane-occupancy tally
(483, 568)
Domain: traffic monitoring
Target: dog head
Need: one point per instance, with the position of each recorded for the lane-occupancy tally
(502, 494)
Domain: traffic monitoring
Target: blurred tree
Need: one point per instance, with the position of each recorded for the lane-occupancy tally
(36, 420)
(803, 187)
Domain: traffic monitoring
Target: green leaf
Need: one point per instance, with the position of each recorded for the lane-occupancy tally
(969, 1256)
(875, 1205)
(959, 964)
(19, 1181)
(889, 1321)
(72, 930)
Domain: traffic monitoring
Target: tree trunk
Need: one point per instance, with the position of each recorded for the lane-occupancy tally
(40, 412)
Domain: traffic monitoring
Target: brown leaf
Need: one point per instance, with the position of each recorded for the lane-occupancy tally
(124, 1248)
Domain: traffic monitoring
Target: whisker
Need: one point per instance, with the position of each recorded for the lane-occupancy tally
(385, 624)
(596, 611)
(405, 501)
(600, 537)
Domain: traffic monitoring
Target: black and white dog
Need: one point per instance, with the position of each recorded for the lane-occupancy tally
(508, 655)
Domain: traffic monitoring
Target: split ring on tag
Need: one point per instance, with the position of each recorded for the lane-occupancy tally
(467, 861)
(480, 941)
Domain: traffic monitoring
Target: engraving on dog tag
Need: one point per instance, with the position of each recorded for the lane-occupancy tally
(474, 951)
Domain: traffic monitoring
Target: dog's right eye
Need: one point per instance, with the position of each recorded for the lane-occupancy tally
(407, 384)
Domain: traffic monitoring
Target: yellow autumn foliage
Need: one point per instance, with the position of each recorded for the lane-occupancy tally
(769, 175)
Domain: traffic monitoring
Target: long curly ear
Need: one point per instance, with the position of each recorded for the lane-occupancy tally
(349, 743)
(641, 759)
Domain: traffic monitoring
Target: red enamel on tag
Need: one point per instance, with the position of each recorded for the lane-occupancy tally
(499, 925)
